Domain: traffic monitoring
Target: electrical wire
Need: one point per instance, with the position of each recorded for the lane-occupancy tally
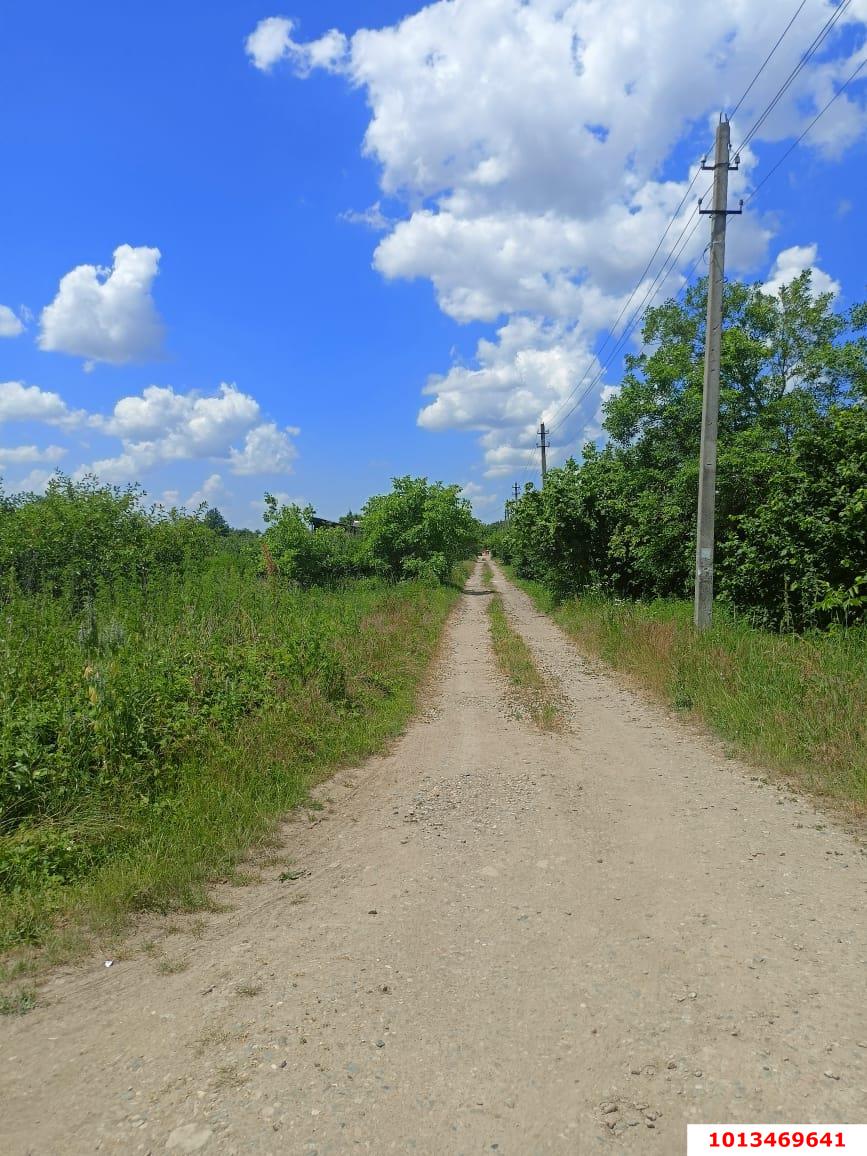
(530, 467)
(813, 48)
(675, 252)
(640, 312)
(629, 300)
(767, 59)
(816, 118)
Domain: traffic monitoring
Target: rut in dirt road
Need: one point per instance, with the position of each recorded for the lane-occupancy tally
(505, 941)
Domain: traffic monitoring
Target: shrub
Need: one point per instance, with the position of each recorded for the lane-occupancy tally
(326, 557)
(420, 529)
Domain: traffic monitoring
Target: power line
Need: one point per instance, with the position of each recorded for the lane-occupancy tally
(613, 329)
(817, 117)
(674, 254)
(767, 59)
(668, 265)
(813, 48)
(631, 326)
(530, 467)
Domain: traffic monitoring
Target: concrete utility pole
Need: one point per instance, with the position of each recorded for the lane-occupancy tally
(516, 491)
(544, 447)
(710, 402)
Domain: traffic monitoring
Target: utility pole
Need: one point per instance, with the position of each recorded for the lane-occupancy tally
(510, 503)
(544, 447)
(719, 215)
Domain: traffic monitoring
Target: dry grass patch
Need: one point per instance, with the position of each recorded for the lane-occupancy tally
(17, 1003)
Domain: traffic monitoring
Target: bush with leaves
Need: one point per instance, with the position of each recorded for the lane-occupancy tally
(80, 537)
(326, 557)
(421, 529)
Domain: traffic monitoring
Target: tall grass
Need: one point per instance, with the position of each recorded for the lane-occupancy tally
(150, 737)
(795, 703)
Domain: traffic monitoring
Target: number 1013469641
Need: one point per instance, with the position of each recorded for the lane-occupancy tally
(716, 1138)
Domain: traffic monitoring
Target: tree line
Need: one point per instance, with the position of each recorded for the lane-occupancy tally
(791, 526)
(81, 537)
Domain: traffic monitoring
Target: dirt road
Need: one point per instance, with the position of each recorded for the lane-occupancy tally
(505, 941)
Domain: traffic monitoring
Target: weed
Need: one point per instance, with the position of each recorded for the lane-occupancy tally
(212, 1038)
(271, 860)
(227, 1076)
(172, 966)
(244, 878)
(248, 989)
(18, 1003)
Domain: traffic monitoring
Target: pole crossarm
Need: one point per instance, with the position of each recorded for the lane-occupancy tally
(720, 212)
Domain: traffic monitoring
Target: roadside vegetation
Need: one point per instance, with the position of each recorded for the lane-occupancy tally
(530, 690)
(169, 688)
(610, 542)
(792, 702)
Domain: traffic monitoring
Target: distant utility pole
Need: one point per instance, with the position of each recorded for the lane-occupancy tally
(509, 503)
(710, 403)
(544, 447)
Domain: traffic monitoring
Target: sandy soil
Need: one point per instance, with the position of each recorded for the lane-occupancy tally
(504, 941)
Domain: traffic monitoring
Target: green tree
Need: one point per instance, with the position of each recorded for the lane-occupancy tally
(215, 521)
(420, 529)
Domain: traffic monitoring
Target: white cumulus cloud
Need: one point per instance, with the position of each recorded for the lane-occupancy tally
(20, 402)
(161, 425)
(35, 482)
(10, 324)
(480, 498)
(520, 378)
(791, 262)
(271, 41)
(14, 455)
(104, 314)
(540, 147)
(211, 491)
(266, 449)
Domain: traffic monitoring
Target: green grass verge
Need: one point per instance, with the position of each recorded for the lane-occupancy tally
(531, 689)
(795, 704)
(261, 692)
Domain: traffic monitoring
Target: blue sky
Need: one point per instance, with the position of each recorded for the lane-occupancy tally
(256, 334)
